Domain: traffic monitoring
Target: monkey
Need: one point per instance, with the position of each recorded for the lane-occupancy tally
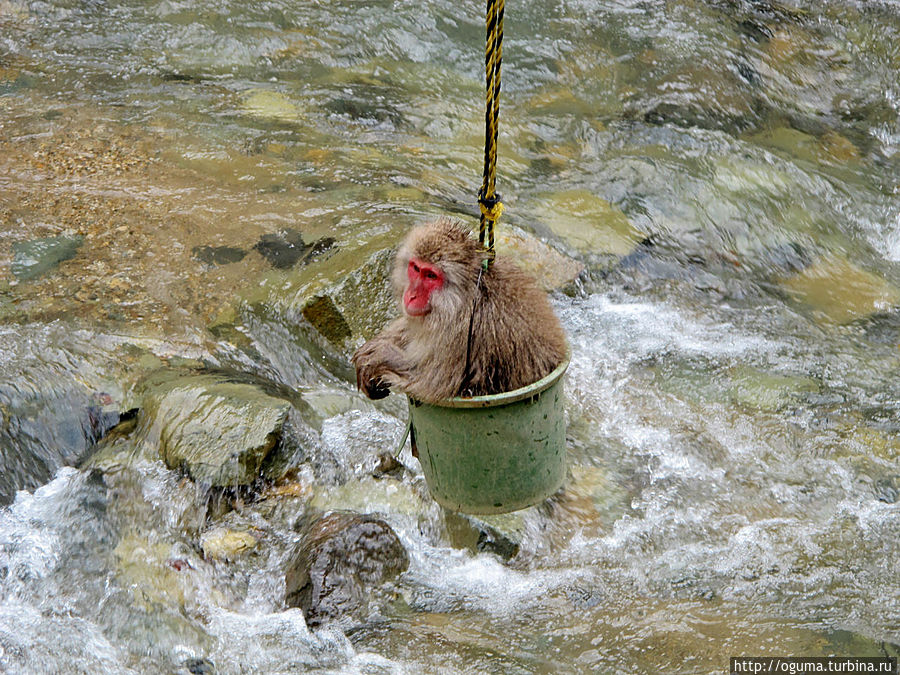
(464, 330)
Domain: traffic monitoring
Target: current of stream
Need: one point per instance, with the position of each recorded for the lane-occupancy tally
(727, 172)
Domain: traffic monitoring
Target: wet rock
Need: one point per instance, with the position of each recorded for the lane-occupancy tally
(701, 96)
(838, 291)
(501, 534)
(284, 249)
(795, 143)
(887, 489)
(835, 148)
(217, 430)
(365, 110)
(351, 443)
(849, 642)
(222, 543)
(552, 269)
(61, 391)
(588, 222)
(787, 258)
(157, 572)
(387, 464)
(882, 327)
(364, 296)
(34, 258)
(41, 432)
(341, 558)
(270, 105)
(199, 667)
(218, 255)
(768, 391)
(321, 312)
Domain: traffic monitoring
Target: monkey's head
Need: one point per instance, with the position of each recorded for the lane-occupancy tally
(436, 268)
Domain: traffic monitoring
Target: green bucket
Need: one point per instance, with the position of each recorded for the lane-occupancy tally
(497, 453)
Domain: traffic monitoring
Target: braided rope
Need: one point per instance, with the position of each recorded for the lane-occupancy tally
(488, 199)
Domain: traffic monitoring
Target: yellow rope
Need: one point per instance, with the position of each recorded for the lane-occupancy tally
(488, 199)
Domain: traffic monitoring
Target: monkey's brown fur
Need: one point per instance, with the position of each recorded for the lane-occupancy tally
(516, 337)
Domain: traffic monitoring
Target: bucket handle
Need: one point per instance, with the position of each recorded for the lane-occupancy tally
(403, 439)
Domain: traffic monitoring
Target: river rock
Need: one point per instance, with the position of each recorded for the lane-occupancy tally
(218, 255)
(326, 318)
(36, 257)
(156, 572)
(341, 558)
(284, 249)
(768, 391)
(551, 268)
(501, 534)
(839, 292)
(270, 106)
(363, 298)
(588, 223)
(223, 543)
(218, 430)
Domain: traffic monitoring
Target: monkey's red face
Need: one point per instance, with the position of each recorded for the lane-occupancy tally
(424, 279)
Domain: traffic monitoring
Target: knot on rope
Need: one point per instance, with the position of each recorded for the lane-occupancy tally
(491, 207)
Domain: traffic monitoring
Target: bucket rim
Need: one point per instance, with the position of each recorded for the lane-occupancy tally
(503, 398)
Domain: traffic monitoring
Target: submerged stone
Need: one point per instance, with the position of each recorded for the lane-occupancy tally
(364, 110)
(218, 255)
(218, 431)
(882, 327)
(341, 558)
(34, 258)
(223, 543)
(551, 269)
(155, 572)
(700, 96)
(270, 105)
(321, 312)
(838, 291)
(767, 391)
(501, 534)
(589, 223)
(793, 142)
(835, 148)
(284, 249)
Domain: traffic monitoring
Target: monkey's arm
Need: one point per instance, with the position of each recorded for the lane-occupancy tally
(380, 362)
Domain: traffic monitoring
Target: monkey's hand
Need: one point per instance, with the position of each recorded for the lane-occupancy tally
(372, 369)
(373, 387)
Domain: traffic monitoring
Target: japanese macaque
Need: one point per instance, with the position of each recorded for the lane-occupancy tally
(461, 333)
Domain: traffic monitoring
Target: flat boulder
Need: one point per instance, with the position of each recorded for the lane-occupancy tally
(219, 431)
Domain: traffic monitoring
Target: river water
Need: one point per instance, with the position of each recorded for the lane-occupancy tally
(728, 174)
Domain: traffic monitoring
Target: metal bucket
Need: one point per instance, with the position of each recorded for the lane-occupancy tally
(497, 453)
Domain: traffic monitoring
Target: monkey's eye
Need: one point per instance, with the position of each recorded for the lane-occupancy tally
(415, 268)
(429, 274)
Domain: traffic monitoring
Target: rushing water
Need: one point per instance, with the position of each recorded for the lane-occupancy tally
(733, 399)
